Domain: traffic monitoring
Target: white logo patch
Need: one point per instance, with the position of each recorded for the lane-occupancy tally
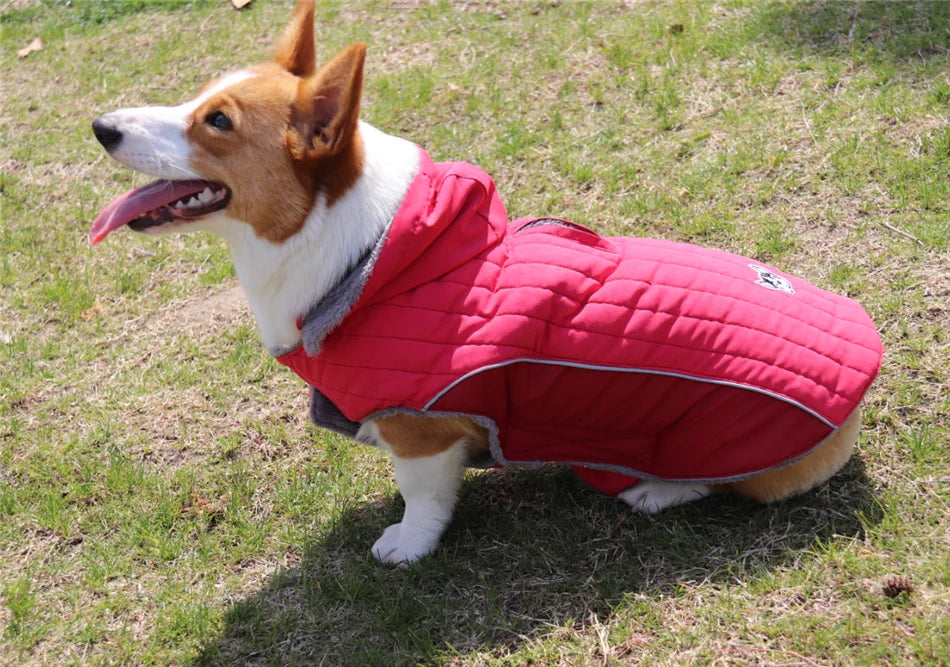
(772, 281)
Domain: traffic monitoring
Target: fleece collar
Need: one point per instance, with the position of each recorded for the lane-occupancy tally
(322, 318)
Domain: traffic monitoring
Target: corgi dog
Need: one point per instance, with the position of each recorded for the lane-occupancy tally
(431, 326)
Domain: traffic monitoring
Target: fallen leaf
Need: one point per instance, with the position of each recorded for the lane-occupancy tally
(200, 506)
(240, 4)
(91, 312)
(35, 45)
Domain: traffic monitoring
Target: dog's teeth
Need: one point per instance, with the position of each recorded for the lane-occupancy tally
(206, 195)
(194, 202)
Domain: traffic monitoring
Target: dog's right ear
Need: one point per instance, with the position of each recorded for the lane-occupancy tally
(296, 51)
(327, 109)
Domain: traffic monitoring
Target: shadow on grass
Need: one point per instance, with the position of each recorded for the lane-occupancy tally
(528, 551)
(880, 29)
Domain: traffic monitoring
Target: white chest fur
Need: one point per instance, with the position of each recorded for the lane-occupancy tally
(283, 280)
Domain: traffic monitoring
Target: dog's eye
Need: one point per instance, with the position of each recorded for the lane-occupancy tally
(219, 121)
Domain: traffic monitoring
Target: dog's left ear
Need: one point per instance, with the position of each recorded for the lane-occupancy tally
(296, 51)
(327, 109)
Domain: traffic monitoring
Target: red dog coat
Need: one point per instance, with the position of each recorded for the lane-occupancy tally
(626, 357)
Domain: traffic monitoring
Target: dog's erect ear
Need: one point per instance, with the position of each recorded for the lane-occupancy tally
(328, 106)
(296, 51)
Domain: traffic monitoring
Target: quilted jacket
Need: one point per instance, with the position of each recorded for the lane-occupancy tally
(626, 358)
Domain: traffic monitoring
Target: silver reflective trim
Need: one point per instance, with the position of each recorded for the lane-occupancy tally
(613, 369)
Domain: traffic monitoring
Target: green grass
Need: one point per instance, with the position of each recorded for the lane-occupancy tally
(162, 498)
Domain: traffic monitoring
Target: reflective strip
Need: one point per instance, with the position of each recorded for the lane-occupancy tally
(613, 369)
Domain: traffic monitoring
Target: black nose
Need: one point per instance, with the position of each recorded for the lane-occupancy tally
(106, 133)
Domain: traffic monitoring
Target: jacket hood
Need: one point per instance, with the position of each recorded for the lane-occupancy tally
(454, 196)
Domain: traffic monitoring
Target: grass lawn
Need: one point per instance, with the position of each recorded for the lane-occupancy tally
(162, 497)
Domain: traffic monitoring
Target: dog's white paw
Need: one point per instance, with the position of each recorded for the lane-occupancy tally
(401, 545)
(652, 496)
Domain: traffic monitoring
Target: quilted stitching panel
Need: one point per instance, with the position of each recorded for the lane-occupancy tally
(450, 294)
(555, 293)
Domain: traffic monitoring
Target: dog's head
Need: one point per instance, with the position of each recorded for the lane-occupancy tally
(256, 147)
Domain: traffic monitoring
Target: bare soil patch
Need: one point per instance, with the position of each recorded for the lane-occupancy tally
(208, 312)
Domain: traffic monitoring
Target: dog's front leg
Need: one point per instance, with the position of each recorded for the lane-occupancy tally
(428, 484)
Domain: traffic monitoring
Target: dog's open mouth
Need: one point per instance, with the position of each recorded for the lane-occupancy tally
(158, 204)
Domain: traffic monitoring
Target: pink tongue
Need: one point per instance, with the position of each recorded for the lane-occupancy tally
(136, 203)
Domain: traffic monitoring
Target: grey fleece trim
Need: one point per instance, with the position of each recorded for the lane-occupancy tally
(323, 317)
(324, 413)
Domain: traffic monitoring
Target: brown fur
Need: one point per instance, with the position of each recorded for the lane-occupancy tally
(265, 189)
(295, 133)
(411, 436)
(322, 136)
(296, 51)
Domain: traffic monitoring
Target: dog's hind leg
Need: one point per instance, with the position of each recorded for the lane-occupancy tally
(816, 467)
(429, 456)
(654, 495)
